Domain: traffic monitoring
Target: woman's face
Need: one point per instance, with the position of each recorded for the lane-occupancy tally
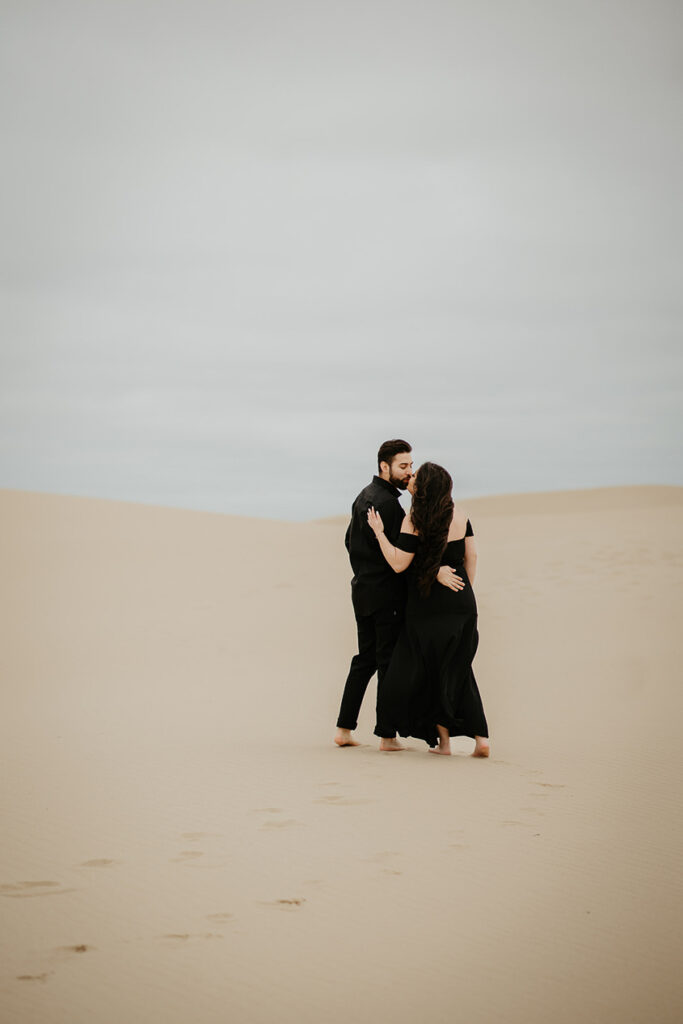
(411, 484)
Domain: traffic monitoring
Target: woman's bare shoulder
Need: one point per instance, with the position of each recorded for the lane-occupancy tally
(458, 523)
(407, 525)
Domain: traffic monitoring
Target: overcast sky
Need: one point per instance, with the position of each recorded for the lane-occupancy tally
(245, 242)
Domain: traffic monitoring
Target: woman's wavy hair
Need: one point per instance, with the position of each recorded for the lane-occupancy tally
(431, 514)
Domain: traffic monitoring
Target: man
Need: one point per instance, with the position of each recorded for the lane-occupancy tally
(377, 592)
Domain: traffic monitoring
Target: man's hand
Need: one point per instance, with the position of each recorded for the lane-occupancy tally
(449, 578)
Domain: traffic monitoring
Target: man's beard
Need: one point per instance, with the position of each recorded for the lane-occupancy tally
(399, 482)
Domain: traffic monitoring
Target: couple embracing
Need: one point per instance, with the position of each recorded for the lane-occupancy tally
(417, 628)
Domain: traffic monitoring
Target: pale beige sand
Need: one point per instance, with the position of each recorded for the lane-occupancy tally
(181, 841)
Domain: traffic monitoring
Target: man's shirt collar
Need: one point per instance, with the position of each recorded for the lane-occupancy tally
(389, 487)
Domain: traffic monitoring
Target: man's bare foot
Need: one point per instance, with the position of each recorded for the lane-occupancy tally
(390, 744)
(440, 750)
(482, 747)
(345, 739)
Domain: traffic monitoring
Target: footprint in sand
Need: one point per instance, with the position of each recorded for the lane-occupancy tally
(186, 855)
(31, 890)
(285, 904)
(550, 785)
(182, 937)
(287, 823)
(382, 857)
(194, 836)
(226, 916)
(82, 948)
(34, 977)
(14, 886)
(100, 862)
(340, 801)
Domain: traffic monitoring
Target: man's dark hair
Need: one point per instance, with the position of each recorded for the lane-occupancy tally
(390, 449)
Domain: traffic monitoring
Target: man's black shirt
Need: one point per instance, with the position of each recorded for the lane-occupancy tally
(374, 582)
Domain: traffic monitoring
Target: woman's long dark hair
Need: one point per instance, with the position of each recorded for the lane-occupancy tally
(431, 514)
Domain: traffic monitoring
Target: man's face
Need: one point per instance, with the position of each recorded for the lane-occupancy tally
(401, 470)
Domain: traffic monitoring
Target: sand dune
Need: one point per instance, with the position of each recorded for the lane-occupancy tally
(182, 841)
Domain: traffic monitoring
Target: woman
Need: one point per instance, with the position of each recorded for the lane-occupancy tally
(429, 690)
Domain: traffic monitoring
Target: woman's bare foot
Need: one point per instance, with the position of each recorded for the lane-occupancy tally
(390, 744)
(444, 745)
(345, 739)
(482, 747)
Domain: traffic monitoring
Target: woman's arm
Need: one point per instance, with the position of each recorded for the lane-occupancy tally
(397, 559)
(470, 559)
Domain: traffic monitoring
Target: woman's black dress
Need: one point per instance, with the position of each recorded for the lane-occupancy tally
(430, 679)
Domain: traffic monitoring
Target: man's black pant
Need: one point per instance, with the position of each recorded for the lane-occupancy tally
(377, 636)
